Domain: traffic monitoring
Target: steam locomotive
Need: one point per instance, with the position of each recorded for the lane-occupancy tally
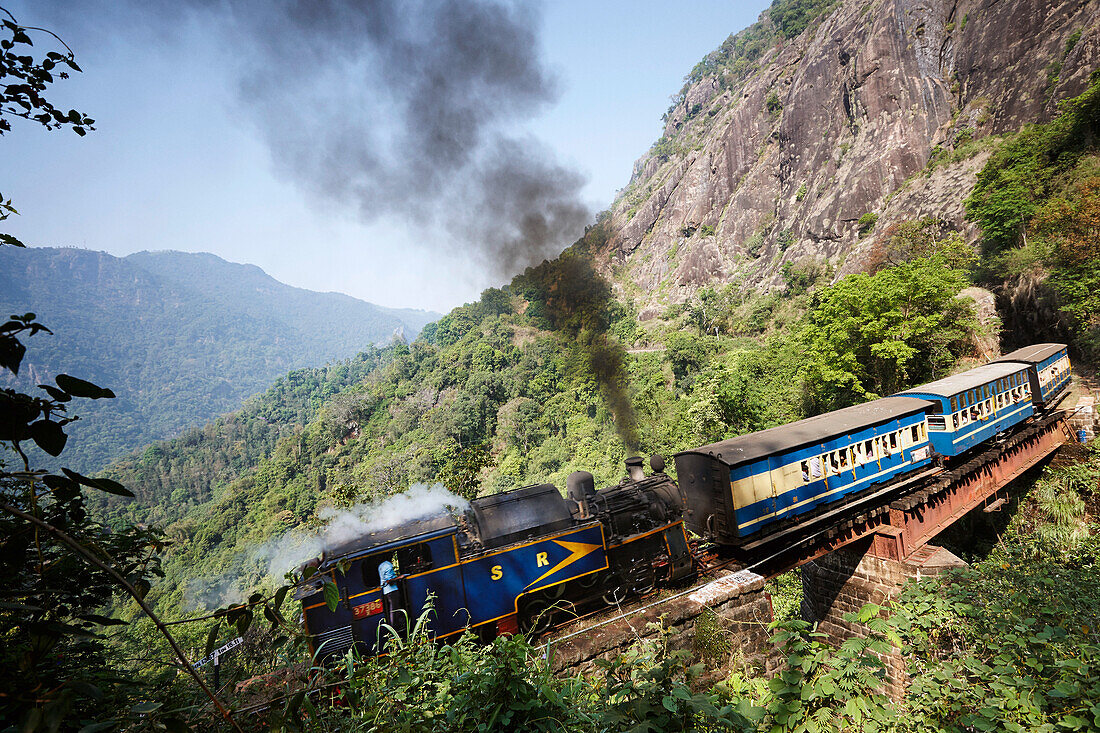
(523, 559)
(514, 561)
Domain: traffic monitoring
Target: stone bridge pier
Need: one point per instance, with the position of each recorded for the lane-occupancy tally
(846, 579)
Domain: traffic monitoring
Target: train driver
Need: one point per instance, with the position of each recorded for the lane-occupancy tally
(391, 597)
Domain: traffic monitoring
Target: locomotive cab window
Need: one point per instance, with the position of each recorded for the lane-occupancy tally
(414, 559)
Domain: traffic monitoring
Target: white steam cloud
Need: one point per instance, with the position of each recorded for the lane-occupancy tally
(345, 525)
(340, 526)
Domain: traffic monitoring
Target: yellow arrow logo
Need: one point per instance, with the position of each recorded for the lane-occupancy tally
(577, 550)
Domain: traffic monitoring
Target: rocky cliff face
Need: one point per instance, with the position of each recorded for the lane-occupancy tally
(773, 154)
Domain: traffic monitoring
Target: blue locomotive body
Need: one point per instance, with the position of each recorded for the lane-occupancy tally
(514, 560)
(467, 592)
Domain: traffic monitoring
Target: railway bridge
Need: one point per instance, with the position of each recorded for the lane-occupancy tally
(862, 556)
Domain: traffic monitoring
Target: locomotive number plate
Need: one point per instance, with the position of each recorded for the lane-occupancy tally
(367, 609)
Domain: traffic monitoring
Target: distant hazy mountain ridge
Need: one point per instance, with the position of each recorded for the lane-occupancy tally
(180, 338)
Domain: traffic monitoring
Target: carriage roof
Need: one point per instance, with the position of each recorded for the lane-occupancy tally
(1032, 354)
(958, 383)
(810, 431)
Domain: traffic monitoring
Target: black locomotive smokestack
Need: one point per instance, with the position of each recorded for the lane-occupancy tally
(579, 487)
(634, 468)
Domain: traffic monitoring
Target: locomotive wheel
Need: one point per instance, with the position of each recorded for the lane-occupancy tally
(536, 616)
(555, 592)
(588, 581)
(615, 591)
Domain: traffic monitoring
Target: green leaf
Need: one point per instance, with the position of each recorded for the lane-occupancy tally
(103, 484)
(280, 596)
(55, 393)
(176, 725)
(11, 353)
(80, 388)
(99, 727)
(332, 595)
(49, 436)
(145, 708)
(211, 640)
(102, 620)
(243, 622)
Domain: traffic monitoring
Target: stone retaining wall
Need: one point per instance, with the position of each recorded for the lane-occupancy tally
(723, 624)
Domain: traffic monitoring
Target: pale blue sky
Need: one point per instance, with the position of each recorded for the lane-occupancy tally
(175, 165)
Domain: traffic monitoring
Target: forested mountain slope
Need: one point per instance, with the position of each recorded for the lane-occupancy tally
(181, 338)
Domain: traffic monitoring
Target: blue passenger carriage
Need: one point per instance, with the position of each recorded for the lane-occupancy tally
(1049, 371)
(974, 406)
(750, 485)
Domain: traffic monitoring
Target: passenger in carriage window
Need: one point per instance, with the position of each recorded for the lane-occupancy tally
(955, 422)
(805, 472)
(815, 467)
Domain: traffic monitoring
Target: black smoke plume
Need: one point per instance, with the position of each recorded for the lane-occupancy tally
(570, 297)
(406, 111)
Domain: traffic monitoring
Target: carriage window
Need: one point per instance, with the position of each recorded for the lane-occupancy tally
(815, 467)
(954, 422)
(843, 457)
(893, 441)
(937, 422)
(869, 450)
(805, 472)
(954, 404)
(834, 462)
(915, 431)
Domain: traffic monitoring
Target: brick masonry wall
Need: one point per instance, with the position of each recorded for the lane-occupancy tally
(723, 624)
(845, 580)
